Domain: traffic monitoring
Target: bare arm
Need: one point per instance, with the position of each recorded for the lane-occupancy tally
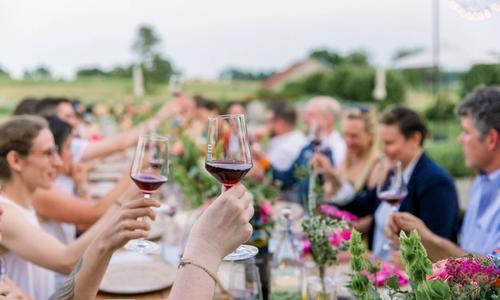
(218, 231)
(437, 247)
(124, 226)
(128, 138)
(56, 205)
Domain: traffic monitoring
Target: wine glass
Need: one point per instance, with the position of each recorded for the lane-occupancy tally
(244, 280)
(392, 190)
(149, 171)
(228, 160)
(2, 269)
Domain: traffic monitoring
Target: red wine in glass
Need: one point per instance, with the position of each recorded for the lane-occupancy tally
(391, 197)
(228, 159)
(148, 183)
(148, 172)
(228, 173)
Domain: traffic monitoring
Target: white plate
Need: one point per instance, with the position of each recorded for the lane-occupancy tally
(137, 277)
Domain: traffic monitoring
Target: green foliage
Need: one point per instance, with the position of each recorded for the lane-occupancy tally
(480, 75)
(239, 74)
(349, 82)
(196, 184)
(442, 110)
(332, 58)
(433, 290)
(267, 190)
(4, 73)
(359, 284)
(89, 72)
(146, 44)
(444, 148)
(317, 229)
(160, 70)
(414, 256)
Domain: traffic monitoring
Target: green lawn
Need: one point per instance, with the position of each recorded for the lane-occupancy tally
(94, 89)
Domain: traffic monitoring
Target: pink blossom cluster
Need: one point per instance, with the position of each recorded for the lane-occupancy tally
(336, 239)
(266, 209)
(387, 270)
(337, 213)
(464, 270)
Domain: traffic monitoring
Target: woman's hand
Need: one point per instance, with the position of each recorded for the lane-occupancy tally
(127, 225)
(9, 291)
(222, 226)
(406, 222)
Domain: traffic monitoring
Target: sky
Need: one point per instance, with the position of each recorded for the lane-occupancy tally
(202, 37)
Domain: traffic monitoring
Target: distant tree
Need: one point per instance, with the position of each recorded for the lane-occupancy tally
(160, 70)
(238, 74)
(124, 71)
(4, 73)
(404, 52)
(329, 57)
(146, 44)
(89, 72)
(358, 58)
(41, 72)
(156, 68)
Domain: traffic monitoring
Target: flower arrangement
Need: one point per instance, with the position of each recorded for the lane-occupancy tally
(320, 233)
(335, 213)
(469, 277)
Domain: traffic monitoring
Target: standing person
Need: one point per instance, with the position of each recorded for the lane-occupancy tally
(431, 191)
(480, 139)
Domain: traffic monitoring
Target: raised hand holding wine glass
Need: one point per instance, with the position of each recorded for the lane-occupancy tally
(149, 171)
(392, 190)
(228, 159)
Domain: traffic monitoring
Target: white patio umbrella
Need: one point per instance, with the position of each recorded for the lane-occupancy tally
(450, 59)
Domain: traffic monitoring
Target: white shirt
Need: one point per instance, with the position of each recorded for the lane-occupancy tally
(337, 145)
(382, 214)
(35, 281)
(284, 149)
(78, 147)
(481, 228)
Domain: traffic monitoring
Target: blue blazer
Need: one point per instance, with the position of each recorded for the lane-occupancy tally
(432, 197)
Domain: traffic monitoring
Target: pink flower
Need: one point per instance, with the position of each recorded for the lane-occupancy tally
(439, 271)
(338, 236)
(337, 214)
(387, 270)
(266, 211)
(306, 247)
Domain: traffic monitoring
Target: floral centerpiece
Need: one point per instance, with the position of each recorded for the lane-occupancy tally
(469, 277)
(326, 237)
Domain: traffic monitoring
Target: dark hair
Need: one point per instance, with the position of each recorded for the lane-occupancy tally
(483, 105)
(48, 106)
(408, 121)
(27, 106)
(60, 130)
(17, 134)
(283, 111)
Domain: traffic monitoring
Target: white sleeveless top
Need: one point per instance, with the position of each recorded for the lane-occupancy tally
(35, 281)
(64, 232)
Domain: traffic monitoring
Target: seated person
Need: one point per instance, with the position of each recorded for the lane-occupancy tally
(353, 175)
(480, 139)
(431, 191)
(83, 150)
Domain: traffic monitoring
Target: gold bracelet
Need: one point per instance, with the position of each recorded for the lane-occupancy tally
(186, 261)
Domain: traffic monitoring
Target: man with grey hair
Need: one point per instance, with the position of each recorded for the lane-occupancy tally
(320, 118)
(480, 139)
